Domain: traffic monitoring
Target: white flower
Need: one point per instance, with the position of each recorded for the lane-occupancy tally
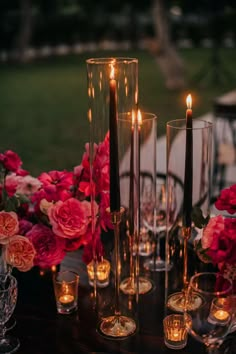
(28, 185)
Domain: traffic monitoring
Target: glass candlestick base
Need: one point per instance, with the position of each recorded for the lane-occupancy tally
(118, 326)
(157, 265)
(128, 287)
(176, 302)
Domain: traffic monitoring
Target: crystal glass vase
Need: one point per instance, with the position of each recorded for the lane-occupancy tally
(8, 297)
(189, 164)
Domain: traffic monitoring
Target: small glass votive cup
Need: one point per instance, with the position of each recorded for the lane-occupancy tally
(220, 312)
(66, 285)
(103, 273)
(175, 331)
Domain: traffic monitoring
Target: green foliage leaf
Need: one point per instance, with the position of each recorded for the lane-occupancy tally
(11, 204)
(199, 220)
(202, 252)
(22, 198)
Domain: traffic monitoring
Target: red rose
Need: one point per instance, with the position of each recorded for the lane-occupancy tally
(227, 200)
(223, 246)
(10, 160)
(49, 248)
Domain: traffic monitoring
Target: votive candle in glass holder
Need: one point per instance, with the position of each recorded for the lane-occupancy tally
(102, 271)
(220, 311)
(175, 332)
(66, 291)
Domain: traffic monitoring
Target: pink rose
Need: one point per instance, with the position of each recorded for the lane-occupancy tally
(96, 244)
(227, 200)
(20, 253)
(223, 246)
(9, 225)
(101, 166)
(214, 226)
(57, 185)
(24, 226)
(70, 219)
(104, 216)
(74, 244)
(49, 248)
(12, 181)
(10, 160)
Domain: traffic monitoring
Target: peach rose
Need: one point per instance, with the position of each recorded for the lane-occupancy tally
(9, 225)
(20, 253)
(70, 219)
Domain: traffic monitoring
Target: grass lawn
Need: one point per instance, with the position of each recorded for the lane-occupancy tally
(43, 104)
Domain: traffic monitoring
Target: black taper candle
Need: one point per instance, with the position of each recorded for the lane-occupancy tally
(131, 179)
(188, 175)
(114, 153)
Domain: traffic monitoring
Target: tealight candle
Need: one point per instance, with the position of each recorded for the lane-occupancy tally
(102, 272)
(66, 291)
(219, 312)
(66, 299)
(175, 332)
(221, 315)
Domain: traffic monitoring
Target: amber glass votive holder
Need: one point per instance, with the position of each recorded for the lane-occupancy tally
(220, 312)
(103, 273)
(175, 332)
(66, 285)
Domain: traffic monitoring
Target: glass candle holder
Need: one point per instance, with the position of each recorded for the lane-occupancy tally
(66, 291)
(175, 332)
(102, 270)
(220, 311)
(112, 90)
(188, 194)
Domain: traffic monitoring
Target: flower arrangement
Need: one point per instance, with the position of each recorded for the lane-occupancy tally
(218, 242)
(43, 218)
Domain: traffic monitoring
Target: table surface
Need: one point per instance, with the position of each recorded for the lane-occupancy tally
(42, 331)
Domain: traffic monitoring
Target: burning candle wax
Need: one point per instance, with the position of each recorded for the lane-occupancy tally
(188, 176)
(66, 299)
(114, 156)
(103, 272)
(175, 335)
(221, 315)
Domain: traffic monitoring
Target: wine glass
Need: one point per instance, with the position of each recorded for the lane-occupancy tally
(8, 297)
(210, 316)
(154, 220)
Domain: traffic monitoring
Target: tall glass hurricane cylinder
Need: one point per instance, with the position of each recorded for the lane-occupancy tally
(182, 207)
(112, 90)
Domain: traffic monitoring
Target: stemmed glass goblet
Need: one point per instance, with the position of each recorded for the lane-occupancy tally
(8, 298)
(153, 208)
(211, 316)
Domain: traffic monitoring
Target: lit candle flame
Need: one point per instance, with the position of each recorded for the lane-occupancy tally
(112, 74)
(139, 118)
(53, 268)
(189, 101)
(133, 118)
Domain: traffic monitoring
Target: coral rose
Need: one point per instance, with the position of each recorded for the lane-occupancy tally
(20, 253)
(9, 225)
(70, 219)
(49, 248)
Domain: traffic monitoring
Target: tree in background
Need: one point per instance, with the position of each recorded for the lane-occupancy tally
(167, 57)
